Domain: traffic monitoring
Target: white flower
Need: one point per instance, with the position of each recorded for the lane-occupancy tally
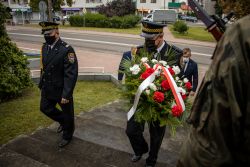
(181, 90)
(144, 59)
(176, 70)
(147, 91)
(154, 61)
(185, 80)
(164, 63)
(177, 78)
(153, 87)
(135, 69)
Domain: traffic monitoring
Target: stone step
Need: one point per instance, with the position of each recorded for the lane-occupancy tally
(116, 138)
(49, 153)
(103, 155)
(118, 119)
(9, 158)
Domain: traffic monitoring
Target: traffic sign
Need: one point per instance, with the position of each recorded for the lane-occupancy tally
(42, 6)
(84, 10)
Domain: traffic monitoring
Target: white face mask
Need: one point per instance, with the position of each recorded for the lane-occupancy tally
(185, 59)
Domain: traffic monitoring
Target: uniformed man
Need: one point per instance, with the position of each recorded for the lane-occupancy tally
(159, 48)
(220, 117)
(59, 70)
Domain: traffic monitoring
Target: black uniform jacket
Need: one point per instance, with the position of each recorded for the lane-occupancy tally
(59, 71)
(164, 53)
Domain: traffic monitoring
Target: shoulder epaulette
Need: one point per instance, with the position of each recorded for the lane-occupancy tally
(65, 44)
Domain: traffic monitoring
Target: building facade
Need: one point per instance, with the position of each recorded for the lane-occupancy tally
(20, 11)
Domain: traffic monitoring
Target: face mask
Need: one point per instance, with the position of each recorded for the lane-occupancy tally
(49, 39)
(185, 59)
(150, 45)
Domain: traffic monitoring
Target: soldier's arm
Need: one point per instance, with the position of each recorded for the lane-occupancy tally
(70, 73)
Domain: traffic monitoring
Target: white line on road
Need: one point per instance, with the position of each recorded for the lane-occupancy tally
(94, 41)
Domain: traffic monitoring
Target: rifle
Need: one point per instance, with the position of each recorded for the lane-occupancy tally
(215, 25)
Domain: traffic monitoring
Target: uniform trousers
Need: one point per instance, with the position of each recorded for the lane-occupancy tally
(134, 132)
(65, 116)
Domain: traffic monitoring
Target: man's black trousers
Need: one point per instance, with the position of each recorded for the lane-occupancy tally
(135, 134)
(65, 116)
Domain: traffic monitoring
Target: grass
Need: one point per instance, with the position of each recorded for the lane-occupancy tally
(135, 31)
(194, 33)
(22, 115)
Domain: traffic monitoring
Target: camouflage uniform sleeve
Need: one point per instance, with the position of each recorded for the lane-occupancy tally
(70, 73)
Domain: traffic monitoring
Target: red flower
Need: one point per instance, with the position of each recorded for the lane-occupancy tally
(147, 73)
(158, 96)
(176, 111)
(171, 71)
(188, 85)
(183, 96)
(165, 85)
(150, 70)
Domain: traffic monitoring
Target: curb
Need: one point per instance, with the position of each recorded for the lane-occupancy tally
(90, 77)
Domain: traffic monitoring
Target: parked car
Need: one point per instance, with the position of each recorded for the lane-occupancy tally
(191, 18)
(188, 18)
(56, 18)
(66, 17)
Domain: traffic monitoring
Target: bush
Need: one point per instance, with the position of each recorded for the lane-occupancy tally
(98, 20)
(14, 73)
(180, 27)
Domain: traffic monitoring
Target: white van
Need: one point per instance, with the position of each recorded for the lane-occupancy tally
(162, 16)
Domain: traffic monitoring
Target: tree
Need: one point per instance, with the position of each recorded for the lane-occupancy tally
(55, 3)
(14, 73)
(117, 8)
(218, 9)
(240, 7)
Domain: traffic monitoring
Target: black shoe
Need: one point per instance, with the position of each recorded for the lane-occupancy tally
(63, 143)
(136, 158)
(59, 129)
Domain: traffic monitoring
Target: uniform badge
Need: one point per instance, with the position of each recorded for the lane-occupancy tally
(71, 57)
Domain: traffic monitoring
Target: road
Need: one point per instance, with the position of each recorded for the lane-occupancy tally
(108, 47)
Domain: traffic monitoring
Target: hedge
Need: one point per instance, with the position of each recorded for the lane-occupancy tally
(98, 20)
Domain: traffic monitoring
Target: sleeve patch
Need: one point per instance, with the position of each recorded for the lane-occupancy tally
(71, 57)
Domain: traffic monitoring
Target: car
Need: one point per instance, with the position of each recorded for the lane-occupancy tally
(191, 18)
(188, 18)
(66, 17)
(56, 18)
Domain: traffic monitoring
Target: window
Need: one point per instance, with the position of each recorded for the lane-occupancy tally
(153, 1)
(142, 1)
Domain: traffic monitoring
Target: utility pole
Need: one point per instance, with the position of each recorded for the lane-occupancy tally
(164, 4)
(50, 11)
